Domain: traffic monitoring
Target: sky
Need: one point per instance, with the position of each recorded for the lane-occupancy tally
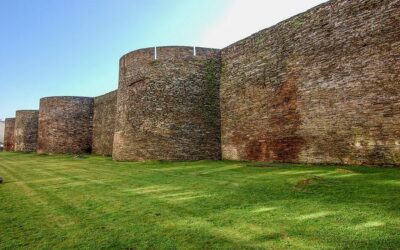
(72, 47)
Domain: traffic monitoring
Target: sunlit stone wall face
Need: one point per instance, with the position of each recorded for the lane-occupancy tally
(26, 130)
(168, 107)
(321, 87)
(65, 125)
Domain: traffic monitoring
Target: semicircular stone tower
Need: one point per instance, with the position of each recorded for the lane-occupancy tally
(26, 130)
(9, 139)
(65, 125)
(168, 105)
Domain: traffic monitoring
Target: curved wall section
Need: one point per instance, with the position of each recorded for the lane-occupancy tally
(168, 108)
(26, 130)
(65, 125)
(105, 107)
(320, 87)
(9, 140)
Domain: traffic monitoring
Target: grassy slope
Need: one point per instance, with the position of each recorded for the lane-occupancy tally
(58, 202)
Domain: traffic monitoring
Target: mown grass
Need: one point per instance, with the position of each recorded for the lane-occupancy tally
(59, 202)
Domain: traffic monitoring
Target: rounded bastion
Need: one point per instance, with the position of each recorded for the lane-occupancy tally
(168, 105)
(26, 130)
(9, 139)
(65, 125)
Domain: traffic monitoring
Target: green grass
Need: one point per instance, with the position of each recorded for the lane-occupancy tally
(59, 202)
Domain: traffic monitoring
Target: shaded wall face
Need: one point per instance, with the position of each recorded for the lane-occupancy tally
(65, 125)
(168, 108)
(323, 86)
(2, 131)
(9, 139)
(105, 108)
(26, 130)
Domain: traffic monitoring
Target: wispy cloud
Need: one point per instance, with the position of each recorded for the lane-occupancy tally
(245, 17)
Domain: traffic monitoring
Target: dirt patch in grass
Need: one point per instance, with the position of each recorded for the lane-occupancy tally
(302, 184)
(344, 171)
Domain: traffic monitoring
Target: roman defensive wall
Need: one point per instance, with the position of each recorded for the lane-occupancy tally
(65, 125)
(26, 130)
(105, 109)
(320, 87)
(168, 105)
(9, 140)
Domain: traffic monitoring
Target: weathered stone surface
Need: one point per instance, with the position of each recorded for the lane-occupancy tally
(168, 108)
(105, 108)
(65, 125)
(321, 87)
(26, 130)
(2, 125)
(9, 139)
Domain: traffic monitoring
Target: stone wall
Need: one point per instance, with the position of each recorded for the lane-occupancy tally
(105, 108)
(26, 130)
(168, 108)
(9, 141)
(65, 125)
(2, 131)
(321, 87)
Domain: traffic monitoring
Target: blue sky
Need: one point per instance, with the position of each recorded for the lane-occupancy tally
(72, 47)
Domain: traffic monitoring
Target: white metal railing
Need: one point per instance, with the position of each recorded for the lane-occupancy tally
(156, 55)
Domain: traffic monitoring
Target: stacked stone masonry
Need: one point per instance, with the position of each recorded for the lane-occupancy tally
(321, 87)
(2, 131)
(168, 108)
(9, 140)
(105, 108)
(26, 130)
(65, 125)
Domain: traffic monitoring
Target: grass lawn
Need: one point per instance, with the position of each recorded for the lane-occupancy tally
(59, 202)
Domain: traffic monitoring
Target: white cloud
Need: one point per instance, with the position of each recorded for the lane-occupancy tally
(245, 17)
